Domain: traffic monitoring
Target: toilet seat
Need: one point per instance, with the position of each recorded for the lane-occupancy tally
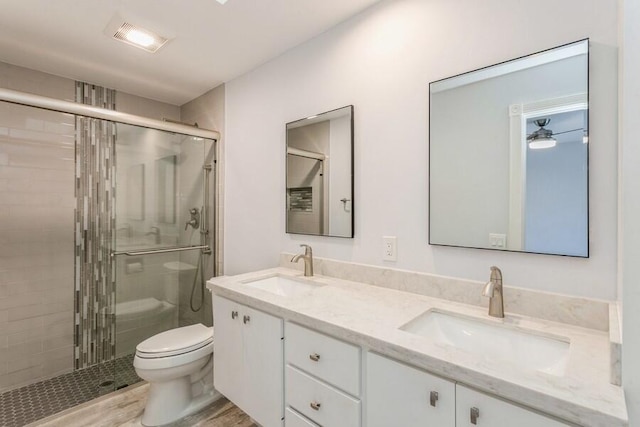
(175, 342)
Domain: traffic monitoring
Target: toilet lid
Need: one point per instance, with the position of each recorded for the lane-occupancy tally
(178, 340)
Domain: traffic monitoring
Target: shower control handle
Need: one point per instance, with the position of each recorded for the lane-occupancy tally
(195, 219)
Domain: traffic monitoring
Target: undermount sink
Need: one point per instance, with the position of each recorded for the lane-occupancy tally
(284, 286)
(493, 341)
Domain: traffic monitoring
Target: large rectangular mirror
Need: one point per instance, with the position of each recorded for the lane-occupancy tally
(319, 176)
(508, 155)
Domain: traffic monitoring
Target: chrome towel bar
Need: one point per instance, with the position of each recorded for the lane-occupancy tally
(160, 251)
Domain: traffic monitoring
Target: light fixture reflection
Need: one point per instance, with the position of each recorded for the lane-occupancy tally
(540, 143)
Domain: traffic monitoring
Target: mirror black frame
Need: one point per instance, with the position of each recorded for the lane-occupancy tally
(587, 126)
(351, 175)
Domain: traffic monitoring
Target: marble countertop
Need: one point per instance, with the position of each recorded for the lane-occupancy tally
(371, 316)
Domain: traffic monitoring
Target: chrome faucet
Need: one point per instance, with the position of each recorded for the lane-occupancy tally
(155, 231)
(493, 290)
(308, 260)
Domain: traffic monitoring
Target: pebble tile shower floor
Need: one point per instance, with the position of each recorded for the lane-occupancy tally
(26, 404)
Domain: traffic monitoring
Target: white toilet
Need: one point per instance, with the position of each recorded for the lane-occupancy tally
(178, 364)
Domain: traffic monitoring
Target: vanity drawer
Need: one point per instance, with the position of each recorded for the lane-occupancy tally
(293, 419)
(329, 359)
(320, 402)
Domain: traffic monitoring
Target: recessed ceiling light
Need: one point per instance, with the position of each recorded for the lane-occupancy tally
(221, 1)
(139, 37)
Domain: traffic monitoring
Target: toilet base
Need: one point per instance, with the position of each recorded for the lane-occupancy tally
(172, 400)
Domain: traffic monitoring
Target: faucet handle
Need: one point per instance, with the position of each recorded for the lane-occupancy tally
(307, 249)
(496, 275)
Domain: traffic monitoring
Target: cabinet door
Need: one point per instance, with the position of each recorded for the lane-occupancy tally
(228, 369)
(399, 395)
(493, 412)
(264, 367)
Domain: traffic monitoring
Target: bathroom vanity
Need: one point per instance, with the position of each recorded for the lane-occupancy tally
(324, 351)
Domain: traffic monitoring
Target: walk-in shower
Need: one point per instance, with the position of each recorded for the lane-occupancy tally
(106, 236)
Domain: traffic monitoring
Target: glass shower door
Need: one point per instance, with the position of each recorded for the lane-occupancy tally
(159, 212)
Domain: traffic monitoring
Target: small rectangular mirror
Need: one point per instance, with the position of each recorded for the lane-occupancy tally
(508, 155)
(319, 177)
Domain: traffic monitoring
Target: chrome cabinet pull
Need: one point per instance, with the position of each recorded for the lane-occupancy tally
(234, 314)
(433, 398)
(315, 406)
(474, 414)
(246, 319)
(315, 357)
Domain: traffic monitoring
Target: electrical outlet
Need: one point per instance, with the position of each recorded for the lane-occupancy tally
(498, 241)
(390, 248)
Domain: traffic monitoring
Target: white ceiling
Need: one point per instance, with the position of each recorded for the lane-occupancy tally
(210, 43)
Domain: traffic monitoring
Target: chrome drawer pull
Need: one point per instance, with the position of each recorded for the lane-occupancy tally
(433, 398)
(234, 314)
(474, 415)
(315, 406)
(315, 357)
(246, 319)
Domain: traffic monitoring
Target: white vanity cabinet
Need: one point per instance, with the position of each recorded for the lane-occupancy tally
(322, 379)
(248, 360)
(474, 408)
(399, 395)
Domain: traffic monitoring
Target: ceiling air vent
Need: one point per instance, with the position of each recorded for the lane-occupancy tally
(139, 37)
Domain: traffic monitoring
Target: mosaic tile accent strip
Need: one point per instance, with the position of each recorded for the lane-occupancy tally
(301, 199)
(24, 405)
(94, 334)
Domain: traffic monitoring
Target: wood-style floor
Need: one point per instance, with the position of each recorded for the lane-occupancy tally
(124, 409)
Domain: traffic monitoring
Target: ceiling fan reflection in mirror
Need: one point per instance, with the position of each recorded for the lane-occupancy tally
(544, 138)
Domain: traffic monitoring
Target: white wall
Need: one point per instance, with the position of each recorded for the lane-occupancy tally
(630, 204)
(382, 61)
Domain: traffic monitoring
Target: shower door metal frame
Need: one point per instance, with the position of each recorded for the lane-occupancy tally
(38, 101)
(30, 100)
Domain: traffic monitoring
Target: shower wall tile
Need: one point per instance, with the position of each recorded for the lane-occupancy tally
(36, 257)
(208, 111)
(25, 312)
(31, 81)
(139, 106)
